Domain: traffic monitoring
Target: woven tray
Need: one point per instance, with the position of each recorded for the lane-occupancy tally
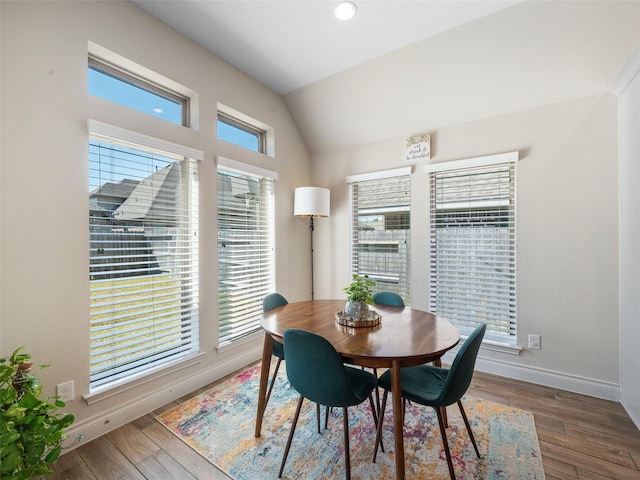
(372, 320)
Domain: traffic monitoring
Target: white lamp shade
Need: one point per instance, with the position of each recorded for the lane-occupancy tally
(311, 201)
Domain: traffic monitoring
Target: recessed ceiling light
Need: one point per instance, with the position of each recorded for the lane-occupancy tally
(345, 10)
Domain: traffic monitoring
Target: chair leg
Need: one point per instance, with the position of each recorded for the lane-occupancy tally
(443, 410)
(375, 372)
(375, 417)
(466, 422)
(441, 422)
(347, 454)
(318, 415)
(293, 429)
(273, 380)
(379, 429)
(326, 417)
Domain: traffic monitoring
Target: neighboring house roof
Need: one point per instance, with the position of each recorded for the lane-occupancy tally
(121, 189)
(153, 197)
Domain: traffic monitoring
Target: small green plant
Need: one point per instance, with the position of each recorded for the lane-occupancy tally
(360, 289)
(31, 430)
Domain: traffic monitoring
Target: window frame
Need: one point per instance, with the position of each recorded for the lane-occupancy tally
(187, 159)
(260, 134)
(403, 271)
(126, 76)
(247, 307)
(507, 161)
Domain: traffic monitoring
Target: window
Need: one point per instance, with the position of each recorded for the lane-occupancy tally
(117, 85)
(143, 268)
(473, 244)
(240, 133)
(246, 240)
(381, 231)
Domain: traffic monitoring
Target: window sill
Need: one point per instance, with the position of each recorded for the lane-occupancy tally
(117, 388)
(501, 347)
(491, 345)
(251, 338)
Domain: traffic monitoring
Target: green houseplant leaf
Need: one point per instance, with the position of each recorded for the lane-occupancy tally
(31, 428)
(360, 289)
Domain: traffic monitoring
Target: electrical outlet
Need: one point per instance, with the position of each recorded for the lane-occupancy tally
(534, 341)
(64, 391)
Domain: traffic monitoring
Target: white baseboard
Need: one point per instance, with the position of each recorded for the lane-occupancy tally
(633, 411)
(94, 427)
(549, 378)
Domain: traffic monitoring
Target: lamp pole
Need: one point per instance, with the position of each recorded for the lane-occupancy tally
(311, 228)
(311, 202)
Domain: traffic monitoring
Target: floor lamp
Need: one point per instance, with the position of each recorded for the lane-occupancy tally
(311, 202)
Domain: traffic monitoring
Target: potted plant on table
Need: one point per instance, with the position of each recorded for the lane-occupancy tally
(359, 297)
(31, 429)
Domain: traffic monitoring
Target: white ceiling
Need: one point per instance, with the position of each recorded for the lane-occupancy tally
(406, 67)
(289, 44)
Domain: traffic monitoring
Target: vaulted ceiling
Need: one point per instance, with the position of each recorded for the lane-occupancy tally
(406, 67)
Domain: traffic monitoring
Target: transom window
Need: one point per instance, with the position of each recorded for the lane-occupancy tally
(473, 244)
(241, 133)
(117, 85)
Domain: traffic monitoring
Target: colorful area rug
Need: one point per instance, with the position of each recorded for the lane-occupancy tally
(219, 424)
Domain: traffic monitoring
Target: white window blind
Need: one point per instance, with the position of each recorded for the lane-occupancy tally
(143, 225)
(246, 241)
(381, 231)
(473, 246)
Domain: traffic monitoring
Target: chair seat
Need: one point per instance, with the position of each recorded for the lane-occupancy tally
(362, 383)
(278, 350)
(422, 384)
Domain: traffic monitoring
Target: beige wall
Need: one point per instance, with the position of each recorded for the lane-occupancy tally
(567, 230)
(44, 185)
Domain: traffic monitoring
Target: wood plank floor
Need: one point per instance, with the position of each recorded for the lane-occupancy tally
(580, 437)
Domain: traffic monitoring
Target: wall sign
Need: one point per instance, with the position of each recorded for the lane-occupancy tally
(418, 148)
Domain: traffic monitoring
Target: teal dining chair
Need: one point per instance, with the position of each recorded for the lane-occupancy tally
(438, 388)
(270, 302)
(388, 298)
(316, 371)
(393, 300)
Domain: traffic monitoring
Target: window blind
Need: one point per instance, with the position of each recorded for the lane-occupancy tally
(381, 231)
(473, 247)
(143, 225)
(246, 242)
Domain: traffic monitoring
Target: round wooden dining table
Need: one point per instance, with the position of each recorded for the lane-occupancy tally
(404, 337)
